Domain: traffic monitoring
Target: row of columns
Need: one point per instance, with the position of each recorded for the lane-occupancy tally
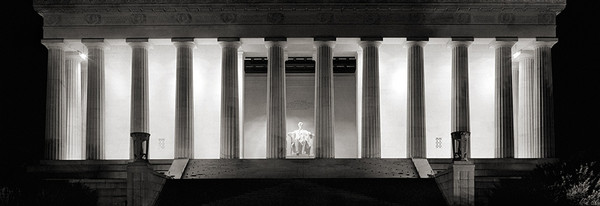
(66, 78)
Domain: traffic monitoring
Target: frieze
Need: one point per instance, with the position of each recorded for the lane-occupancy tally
(334, 17)
(183, 18)
(93, 18)
(228, 17)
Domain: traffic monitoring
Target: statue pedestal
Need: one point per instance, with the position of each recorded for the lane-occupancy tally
(458, 183)
(143, 184)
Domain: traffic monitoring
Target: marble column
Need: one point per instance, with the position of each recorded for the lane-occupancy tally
(95, 121)
(415, 123)
(230, 109)
(503, 98)
(184, 98)
(74, 137)
(84, 77)
(536, 116)
(542, 64)
(515, 95)
(56, 120)
(370, 128)
(324, 105)
(460, 121)
(524, 136)
(276, 104)
(139, 119)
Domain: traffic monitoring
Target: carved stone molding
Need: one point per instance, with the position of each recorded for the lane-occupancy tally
(441, 17)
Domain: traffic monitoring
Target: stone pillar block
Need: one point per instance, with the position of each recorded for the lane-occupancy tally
(457, 183)
(143, 184)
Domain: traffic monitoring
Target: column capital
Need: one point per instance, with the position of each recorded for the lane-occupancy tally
(364, 44)
(460, 41)
(319, 43)
(503, 42)
(138, 43)
(415, 42)
(74, 56)
(230, 44)
(544, 42)
(94, 43)
(56, 43)
(270, 44)
(185, 42)
(523, 54)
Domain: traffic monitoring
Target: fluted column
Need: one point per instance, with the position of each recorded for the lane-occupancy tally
(515, 95)
(55, 130)
(324, 106)
(184, 98)
(276, 114)
(536, 112)
(542, 63)
(415, 122)
(74, 137)
(370, 128)
(230, 109)
(139, 119)
(460, 89)
(503, 98)
(95, 99)
(84, 83)
(525, 136)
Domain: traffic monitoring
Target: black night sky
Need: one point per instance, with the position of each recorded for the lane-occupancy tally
(575, 65)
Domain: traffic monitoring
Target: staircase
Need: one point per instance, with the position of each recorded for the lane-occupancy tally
(289, 192)
(302, 182)
(107, 178)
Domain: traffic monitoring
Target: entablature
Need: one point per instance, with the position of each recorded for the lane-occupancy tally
(308, 18)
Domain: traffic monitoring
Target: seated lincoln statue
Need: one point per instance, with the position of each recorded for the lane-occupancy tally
(300, 141)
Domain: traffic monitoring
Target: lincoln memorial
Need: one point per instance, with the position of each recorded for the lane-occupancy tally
(146, 97)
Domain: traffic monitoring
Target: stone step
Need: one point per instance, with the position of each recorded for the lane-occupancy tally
(314, 191)
(300, 168)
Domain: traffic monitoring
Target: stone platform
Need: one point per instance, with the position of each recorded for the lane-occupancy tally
(299, 168)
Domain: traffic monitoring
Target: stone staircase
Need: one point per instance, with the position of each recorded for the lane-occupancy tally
(303, 182)
(107, 178)
(290, 192)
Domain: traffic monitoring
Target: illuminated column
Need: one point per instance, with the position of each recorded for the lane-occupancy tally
(515, 95)
(415, 123)
(324, 106)
(460, 89)
(536, 112)
(503, 98)
(95, 99)
(370, 128)
(55, 101)
(524, 136)
(184, 98)
(84, 77)
(139, 119)
(230, 109)
(276, 114)
(74, 137)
